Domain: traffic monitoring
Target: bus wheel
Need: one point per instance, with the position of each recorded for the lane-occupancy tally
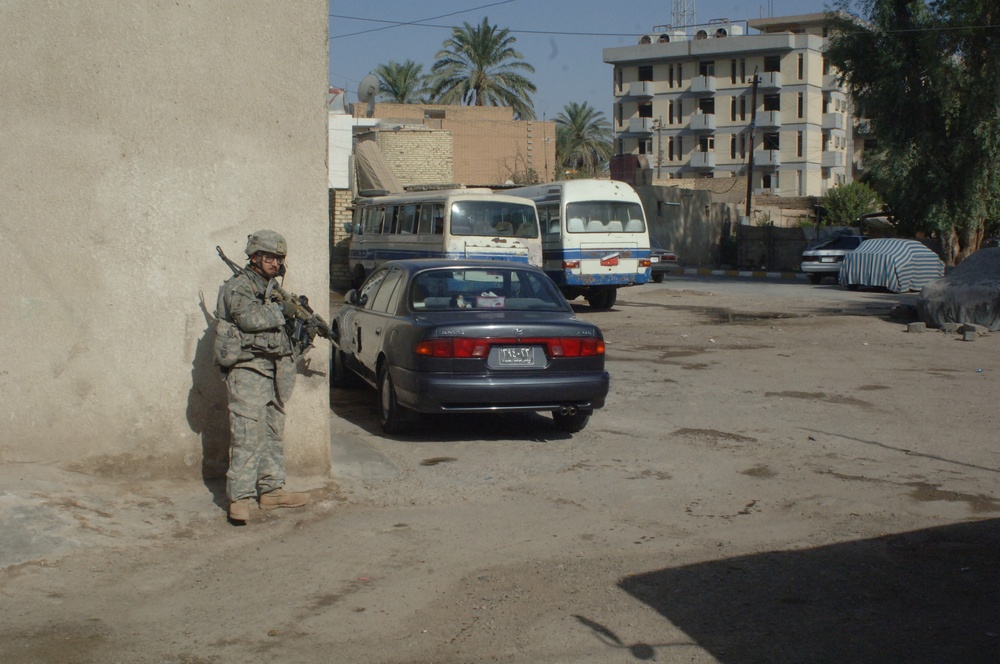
(603, 298)
(359, 276)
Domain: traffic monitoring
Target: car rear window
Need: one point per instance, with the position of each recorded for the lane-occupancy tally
(471, 289)
(843, 242)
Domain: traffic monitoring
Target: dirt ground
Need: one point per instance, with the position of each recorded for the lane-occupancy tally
(770, 481)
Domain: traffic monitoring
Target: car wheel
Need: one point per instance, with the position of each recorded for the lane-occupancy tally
(603, 298)
(658, 277)
(340, 375)
(391, 416)
(814, 279)
(571, 423)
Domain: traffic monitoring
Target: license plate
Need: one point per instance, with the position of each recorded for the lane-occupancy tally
(826, 259)
(654, 259)
(516, 356)
(609, 261)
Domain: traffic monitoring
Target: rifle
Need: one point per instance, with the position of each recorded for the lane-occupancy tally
(304, 325)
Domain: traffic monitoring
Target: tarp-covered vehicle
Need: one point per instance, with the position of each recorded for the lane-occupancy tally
(892, 263)
(969, 294)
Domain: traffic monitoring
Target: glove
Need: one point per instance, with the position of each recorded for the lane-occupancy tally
(289, 307)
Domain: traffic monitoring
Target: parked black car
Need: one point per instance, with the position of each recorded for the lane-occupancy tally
(444, 336)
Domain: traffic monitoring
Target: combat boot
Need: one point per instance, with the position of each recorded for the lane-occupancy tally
(239, 510)
(281, 498)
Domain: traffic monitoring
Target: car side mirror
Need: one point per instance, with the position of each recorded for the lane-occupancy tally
(351, 296)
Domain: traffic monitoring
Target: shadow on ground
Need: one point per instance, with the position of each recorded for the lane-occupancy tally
(924, 596)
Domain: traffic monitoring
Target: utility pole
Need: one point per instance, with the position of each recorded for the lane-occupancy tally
(658, 126)
(753, 124)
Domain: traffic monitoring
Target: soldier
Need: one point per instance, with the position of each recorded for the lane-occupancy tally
(260, 382)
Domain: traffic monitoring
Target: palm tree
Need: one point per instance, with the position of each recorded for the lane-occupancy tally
(402, 83)
(478, 66)
(584, 139)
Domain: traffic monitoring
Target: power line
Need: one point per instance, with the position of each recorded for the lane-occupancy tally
(416, 22)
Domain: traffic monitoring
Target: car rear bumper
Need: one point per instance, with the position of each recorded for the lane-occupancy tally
(437, 393)
(815, 267)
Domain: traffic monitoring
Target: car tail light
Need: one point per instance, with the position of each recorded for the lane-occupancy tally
(478, 348)
(644, 262)
(571, 265)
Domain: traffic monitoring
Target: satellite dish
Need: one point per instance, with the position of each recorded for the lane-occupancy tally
(366, 93)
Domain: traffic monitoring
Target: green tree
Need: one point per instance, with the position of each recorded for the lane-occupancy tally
(402, 83)
(478, 66)
(927, 77)
(584, 139)
(845, 203)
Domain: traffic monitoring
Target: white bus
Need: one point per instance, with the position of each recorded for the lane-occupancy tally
(594, 237)
(447, 223)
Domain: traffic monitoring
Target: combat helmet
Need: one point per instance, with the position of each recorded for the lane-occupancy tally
(267, 241)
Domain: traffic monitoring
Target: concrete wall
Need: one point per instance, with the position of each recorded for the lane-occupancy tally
(137, 137)
(688, 221)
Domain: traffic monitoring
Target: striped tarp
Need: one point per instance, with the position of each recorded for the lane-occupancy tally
(899, 265)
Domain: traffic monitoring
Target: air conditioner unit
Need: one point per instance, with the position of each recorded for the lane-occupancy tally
(646, 39)
(701, 34)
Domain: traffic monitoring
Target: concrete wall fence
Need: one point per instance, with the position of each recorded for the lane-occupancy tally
(137, 137)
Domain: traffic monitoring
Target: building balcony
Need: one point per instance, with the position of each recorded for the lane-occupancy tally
(702, 160)
(703, 122)
(767, 158)
(831, 83)
(770, 80)
(834, 121)
(703, 85)
(640, 89)
(769, 119)
(640, 125)
(864, 127)
(833, 159)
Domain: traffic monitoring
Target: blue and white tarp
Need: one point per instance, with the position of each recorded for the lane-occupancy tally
(892, 263)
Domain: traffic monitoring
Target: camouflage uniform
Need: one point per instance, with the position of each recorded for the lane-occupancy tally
(256, 404)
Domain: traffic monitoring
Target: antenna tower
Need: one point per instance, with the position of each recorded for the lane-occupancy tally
(683, 13)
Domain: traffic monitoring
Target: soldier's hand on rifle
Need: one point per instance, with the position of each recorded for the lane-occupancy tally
(289, 307)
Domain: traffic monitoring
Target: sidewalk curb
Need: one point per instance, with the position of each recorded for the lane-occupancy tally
(747, 274)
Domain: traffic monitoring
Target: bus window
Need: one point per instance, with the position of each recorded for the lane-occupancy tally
(407, 219)
(431, 219)
(389, 220)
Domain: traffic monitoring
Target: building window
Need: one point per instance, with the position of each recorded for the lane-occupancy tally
(732, 146)
(642, 147)
(772, 102)
(802, 66)
(732, 76)
(670, 112)
(801, 104)
(769, 181)
(743, 70)
(618, 79)
(646, 110)
(771, 140)
(798, 144)
(670, 75)
(772, 63)
(706, 144)
(680, 110)
(707, 105)
(743, 146)
(670, 148)
(743, 107)
(732, 112)
(646, 73)
(706, 68)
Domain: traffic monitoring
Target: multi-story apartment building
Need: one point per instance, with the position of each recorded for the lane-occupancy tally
(686, 100)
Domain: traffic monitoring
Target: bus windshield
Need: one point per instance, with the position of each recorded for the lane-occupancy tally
(604, 217)
(493, 218)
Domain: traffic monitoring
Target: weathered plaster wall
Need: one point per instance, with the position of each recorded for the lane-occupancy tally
(137, 137)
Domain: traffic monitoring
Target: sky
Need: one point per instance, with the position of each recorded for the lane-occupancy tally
(562, 39)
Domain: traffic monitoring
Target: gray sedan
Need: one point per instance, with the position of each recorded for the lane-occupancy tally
(441, 336)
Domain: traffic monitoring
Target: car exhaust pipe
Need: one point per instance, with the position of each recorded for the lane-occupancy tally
(567, 411)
